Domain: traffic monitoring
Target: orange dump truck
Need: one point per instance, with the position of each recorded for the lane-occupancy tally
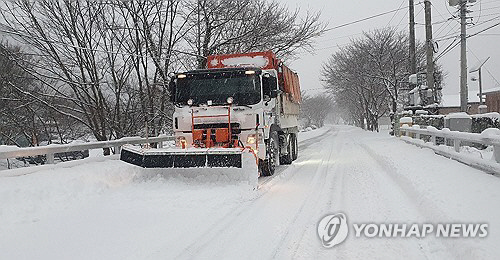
(239, 103)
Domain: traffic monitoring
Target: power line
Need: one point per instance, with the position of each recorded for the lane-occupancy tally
(446, 51)
(334, 46)
(365, 19)
(487, 21)
(395, 13)
(490, 34)
(480, 11)
(484, 30)
(340, 37)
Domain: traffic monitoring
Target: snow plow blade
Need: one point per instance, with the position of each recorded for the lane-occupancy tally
(182, 158)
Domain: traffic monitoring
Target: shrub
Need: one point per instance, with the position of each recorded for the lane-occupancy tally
(485, 121)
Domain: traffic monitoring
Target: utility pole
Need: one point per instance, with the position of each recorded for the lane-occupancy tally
(413, 58)
(430, 51)
(464, 92)
(198, 43)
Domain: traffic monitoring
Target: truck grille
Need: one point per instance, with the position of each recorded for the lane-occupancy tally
(235, 127)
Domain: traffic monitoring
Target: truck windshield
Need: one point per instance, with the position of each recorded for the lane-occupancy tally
(217, 87)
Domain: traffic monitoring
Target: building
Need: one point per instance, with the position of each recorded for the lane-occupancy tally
(451, 104)
(493, 99)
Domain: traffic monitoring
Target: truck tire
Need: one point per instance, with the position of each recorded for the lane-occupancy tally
(286, 159)
(295, 146)
(268, 166)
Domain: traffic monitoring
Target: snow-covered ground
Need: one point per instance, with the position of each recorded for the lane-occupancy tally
(107, 209)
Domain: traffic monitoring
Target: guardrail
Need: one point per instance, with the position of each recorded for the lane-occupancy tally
(50, 150)
(490, 137)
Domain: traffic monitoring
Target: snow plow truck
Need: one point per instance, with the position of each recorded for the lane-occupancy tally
(240, 104)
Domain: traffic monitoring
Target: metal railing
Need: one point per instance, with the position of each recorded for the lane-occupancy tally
(457, 138)
(50, 150)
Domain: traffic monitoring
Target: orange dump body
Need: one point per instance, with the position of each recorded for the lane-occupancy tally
(287, 79)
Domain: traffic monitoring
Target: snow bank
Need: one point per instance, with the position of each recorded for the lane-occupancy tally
(257, 61)
(421, 112)
(405, 120)
(8, 148)
(442, 190)
(462, 115)
(247, 175)
(107, 210)
(491, 133)
(303, 136)
(493, 115)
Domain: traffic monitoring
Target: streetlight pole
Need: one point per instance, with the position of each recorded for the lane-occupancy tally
(478, 69)
(480, 88)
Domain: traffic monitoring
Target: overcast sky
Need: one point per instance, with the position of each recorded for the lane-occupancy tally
(485, 13)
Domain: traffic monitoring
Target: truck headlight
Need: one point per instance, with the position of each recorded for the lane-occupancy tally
(181, 141)
(251, 139)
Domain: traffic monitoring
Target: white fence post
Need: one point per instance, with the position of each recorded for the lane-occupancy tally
(456, 145)
(433, 139)
(50, 158)
(118, 149)
(496, 153)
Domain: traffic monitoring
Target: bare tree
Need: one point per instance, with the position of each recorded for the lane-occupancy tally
(366, 76)
(315, 109)
(105, 65)
(109, 60)
(227, 26)
(25, 121)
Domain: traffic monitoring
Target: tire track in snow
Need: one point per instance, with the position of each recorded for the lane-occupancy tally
(295, 232)
(265, 181)
(203, 241)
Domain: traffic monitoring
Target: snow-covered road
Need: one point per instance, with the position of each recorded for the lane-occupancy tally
(110, 210)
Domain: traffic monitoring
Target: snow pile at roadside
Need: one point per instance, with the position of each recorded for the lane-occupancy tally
(90, 211)
(436, 190)
(27, 195)
(246, 175)
(302, 136)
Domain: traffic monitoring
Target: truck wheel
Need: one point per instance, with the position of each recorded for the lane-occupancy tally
(287, 158)
(268, 166)
(295, 147)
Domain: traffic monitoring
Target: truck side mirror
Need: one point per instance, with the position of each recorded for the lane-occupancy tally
(274, 93)
(171, 89)
(269, 86)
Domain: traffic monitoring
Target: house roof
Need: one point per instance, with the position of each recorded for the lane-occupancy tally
(453, 100)
(491, 90)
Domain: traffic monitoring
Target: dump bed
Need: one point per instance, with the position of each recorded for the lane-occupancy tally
(288, 80)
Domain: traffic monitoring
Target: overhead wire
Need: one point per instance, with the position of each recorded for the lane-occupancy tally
(484, 65)
(365, 19)
(395, 13)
